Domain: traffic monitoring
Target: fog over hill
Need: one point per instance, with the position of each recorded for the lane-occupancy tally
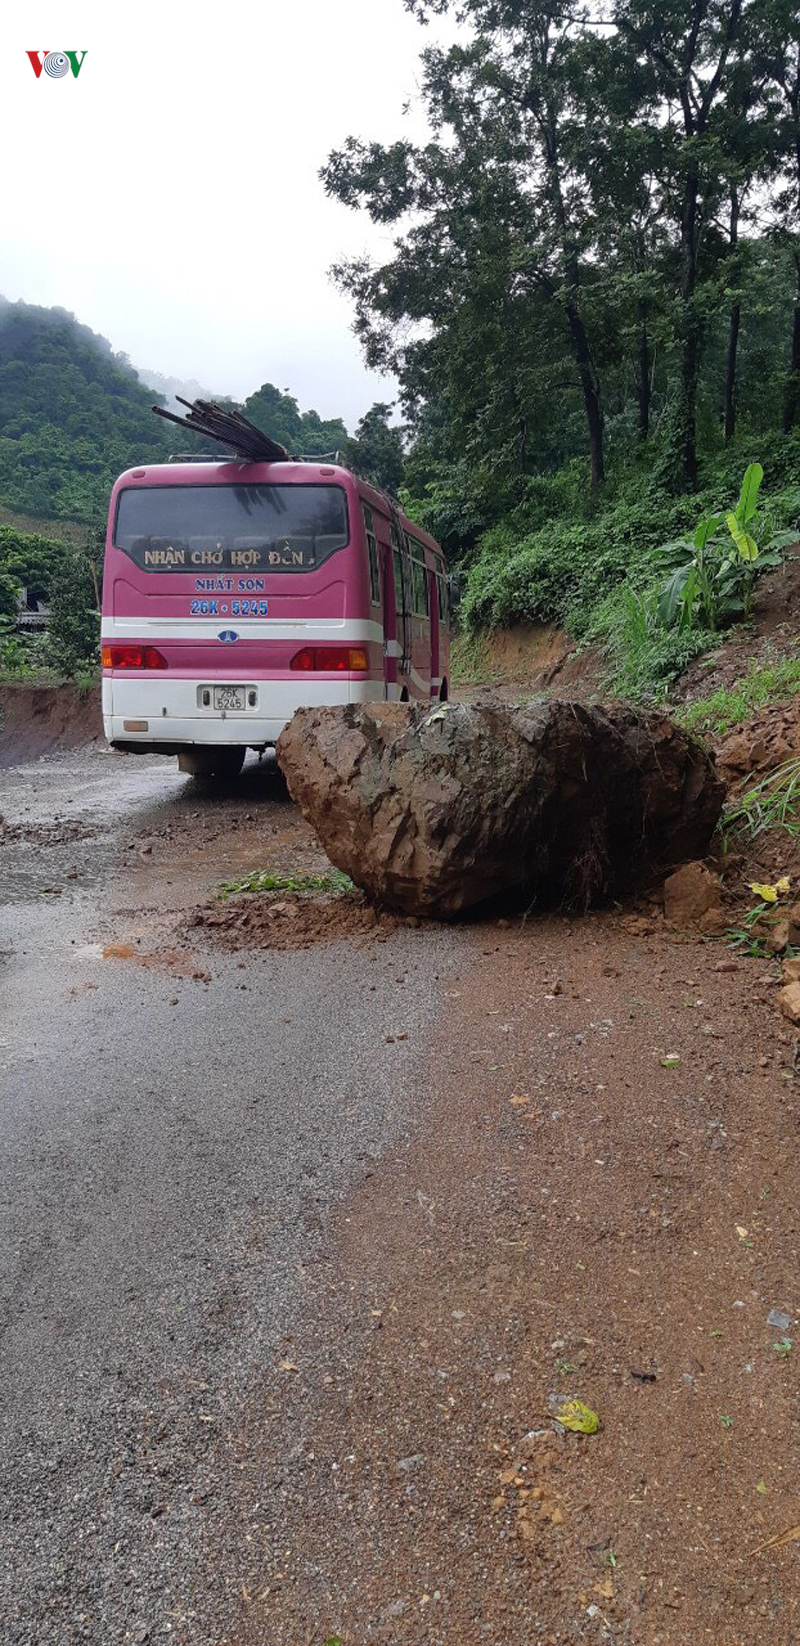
(74, 413)
(168, 388)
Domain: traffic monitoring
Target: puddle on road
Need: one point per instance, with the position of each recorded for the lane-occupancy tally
(29, 872)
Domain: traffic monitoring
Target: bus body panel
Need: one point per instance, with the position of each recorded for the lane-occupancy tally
(219, 625)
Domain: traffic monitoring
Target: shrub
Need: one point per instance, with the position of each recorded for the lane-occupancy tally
(73, 636)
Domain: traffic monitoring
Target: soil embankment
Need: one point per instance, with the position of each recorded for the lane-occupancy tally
(36, 720)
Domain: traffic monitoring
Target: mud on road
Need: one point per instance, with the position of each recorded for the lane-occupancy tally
(302, 1245)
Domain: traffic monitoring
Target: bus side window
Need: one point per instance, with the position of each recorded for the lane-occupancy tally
(441, 595)
(420, 589)
(372, 551)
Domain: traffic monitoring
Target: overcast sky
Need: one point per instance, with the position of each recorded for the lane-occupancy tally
(169, 196)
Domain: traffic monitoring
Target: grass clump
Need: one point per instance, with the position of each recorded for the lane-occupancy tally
(724, 709)
(261, 880)
(643, 659)
(773, 803)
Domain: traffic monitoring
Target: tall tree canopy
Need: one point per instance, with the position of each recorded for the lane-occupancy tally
(582, 245)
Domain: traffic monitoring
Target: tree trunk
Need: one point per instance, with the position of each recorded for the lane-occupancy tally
(791, 403)
(689, 335)
(590, 386)
(590, 390)
(730, 372)
(733, 331)
(643, 387)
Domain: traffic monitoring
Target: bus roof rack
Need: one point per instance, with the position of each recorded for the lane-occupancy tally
(198, 457)
(323, 457)
(229, 427)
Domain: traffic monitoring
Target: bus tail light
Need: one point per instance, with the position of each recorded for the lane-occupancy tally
(330, 659)
(132, 657)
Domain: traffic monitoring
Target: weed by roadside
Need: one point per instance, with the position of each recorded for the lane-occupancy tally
(772, 803)
(644, 657)
(724, 709)
(261, 880)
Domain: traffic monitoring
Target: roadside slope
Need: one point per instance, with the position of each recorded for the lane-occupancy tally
(36, 720)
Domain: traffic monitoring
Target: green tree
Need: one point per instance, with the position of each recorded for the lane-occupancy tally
(73, 635)
(376, 450)
(303, 434)
(501, 219)
(777, 55)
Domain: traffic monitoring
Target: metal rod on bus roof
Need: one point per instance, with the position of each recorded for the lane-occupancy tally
(230, 428)
(231, 425)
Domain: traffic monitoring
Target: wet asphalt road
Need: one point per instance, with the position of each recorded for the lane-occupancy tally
(171, 1150)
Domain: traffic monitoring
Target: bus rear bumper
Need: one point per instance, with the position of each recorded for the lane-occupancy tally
(159, 717)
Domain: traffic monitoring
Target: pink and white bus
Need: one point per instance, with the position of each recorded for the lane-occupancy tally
(235, 592)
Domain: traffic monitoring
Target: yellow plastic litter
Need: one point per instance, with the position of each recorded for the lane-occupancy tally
(581, 1419)
(768, 894)
(784, 884)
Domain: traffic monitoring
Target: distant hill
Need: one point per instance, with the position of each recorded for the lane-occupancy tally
(73, 414)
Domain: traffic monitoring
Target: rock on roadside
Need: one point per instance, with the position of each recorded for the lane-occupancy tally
(434, 810)
(789, 1002)
(693, 897)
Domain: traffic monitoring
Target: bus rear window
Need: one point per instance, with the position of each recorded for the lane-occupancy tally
(264, 528)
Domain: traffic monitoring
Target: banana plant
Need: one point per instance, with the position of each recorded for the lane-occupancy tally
(713, 574)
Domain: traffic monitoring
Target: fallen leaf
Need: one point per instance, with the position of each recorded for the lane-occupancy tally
(519, 1098)
(742, 1233)
(762, 1488)
(670, 1060)
(287, 1365)
(579, 1418)
(605, 1589)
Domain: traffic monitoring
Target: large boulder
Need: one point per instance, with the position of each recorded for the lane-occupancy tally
(432, 810)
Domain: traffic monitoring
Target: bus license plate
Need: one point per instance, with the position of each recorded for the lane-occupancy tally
(229, 697)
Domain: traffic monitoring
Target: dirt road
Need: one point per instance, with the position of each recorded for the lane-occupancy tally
(301, 1247)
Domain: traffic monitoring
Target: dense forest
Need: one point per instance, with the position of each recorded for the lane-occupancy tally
(593, 301)
(599, 248)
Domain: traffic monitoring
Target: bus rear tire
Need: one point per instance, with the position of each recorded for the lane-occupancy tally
(224, 764)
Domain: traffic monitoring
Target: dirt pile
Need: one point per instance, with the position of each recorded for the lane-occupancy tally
(289, 920)
(768, 739)
(693, 898)
(432, 811)
(35, 720)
